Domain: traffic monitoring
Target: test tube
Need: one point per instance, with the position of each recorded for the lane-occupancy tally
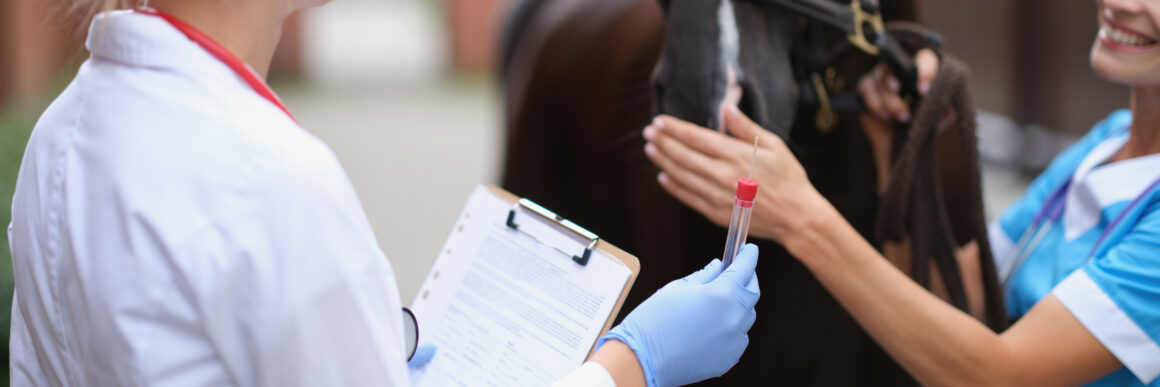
(739, 225)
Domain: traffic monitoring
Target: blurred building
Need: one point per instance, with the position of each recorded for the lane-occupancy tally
(1030, 59)
(1030, 72)
(475, 26)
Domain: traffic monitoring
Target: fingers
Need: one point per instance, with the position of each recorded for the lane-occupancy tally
(888, 88)
(702, 188)
(927, 63)
(693, 199)
(898, 108)
(741, 271)
(868, 88)
(422, 356)
(880, 88)
(682, 161)
(693, 164)
(741, 126)
(748, 321)
(710, 142)
(879, 91)
(745, 129)
(754, 291)
(706, 274)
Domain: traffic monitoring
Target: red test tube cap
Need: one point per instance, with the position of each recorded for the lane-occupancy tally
(746, 189)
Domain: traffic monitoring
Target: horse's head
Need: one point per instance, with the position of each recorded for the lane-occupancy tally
(721, 52)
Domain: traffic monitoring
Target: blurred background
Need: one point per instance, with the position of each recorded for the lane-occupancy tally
(406, 94)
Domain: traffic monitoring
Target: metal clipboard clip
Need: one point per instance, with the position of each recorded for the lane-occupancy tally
(581, 259)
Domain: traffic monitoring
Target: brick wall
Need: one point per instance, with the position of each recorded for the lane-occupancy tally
(474, 30)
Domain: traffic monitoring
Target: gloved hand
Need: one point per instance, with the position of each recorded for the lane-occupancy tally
(696, 327)
(423, 355)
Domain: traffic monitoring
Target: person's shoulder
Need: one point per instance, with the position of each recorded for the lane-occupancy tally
(203, 123)
(299, 161)
(280, 147)
(289, 168)
(1115, 124)
(212, 140)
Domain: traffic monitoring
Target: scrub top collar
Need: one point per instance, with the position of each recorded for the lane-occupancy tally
(1097, 186)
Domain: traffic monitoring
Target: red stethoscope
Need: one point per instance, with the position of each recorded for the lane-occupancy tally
(221, 53)
(410, 324)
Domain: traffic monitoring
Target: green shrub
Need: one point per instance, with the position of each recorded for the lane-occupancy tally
(15, 126)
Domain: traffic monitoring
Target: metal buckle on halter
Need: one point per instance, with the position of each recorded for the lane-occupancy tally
(863, 18)
(825, 118)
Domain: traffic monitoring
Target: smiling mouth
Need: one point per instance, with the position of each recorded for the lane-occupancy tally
(1122, 37)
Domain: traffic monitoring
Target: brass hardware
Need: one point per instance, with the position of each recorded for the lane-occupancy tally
(826, 118)
(861, 18)
(834, 82)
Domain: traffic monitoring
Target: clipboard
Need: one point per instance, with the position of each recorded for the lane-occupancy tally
(596, 244)
(505, 251)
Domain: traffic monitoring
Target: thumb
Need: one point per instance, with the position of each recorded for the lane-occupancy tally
(740, 272)
(741, 126)
(927, 63)
(706, 274)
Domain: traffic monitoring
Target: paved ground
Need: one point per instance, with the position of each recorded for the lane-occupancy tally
(413, 140)
(413, 155)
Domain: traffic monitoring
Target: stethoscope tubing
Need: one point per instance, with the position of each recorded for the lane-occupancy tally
(1046, 218)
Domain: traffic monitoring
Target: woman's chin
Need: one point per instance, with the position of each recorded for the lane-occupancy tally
(1120, 72)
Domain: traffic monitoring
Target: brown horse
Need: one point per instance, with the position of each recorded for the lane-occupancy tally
(578, 78)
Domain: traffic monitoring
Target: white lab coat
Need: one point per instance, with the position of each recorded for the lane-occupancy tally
(171, 227)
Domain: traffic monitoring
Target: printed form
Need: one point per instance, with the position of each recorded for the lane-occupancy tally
(504, 309)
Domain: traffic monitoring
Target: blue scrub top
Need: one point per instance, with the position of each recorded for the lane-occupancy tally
(1115, 293)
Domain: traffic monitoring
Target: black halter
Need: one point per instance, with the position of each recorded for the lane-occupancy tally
(861, 20)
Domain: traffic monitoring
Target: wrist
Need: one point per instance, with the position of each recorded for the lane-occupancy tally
(621, 363)
(814, 232)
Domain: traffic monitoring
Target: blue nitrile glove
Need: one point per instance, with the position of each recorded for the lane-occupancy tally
(422, 356)
(696, 327)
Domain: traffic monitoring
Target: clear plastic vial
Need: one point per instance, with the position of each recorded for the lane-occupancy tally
(739, 225)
